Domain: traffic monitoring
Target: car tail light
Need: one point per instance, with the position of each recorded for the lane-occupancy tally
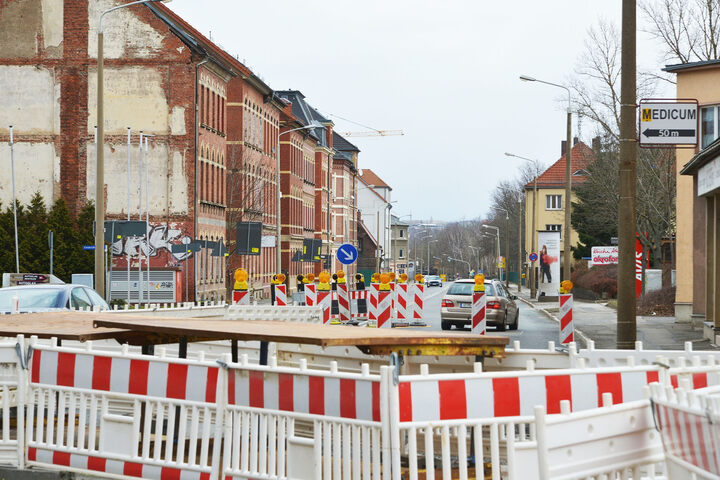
(447, 304)
(493, 305)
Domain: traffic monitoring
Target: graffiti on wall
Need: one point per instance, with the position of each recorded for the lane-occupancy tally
(160, 237)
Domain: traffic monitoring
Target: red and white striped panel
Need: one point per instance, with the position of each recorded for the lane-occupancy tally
(384, 310)
(359, 294)
(42, 456)
(566, 318)
(689, 437)
(700, 377)
(311, 394)
(418, 301)
(401, 307)
(241, 297)
(343, 302)
(324, 300)
(373, 310)
(488, 396)
(479, 322)
(152, 378)
(281, 295)
(310, 295)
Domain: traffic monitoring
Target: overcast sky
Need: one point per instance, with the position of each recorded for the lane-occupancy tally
(444, 72)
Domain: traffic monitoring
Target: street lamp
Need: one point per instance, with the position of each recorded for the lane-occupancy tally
(477, 254)
(507, 245)
(100, 156)
(428, 262)
(568, 174)
(497, 233)
(533, 277)
(278, 198)
(463, 261)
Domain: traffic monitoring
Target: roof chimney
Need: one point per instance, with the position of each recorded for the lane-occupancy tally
(562, 147)
(596, 144)
(575, 141)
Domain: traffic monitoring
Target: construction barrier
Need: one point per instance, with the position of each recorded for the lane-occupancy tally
(343, 302)
(324, 301)
(281, 295)
(384, 310)
(310, 294)
(479, 322)
(566, 319)
(402, 305)
(373, 311)
(241, 297)
(418, 302)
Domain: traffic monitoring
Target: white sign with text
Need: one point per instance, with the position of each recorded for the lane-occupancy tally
(604, 255)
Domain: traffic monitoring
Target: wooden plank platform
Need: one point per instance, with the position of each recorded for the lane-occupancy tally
(65, 325)
(369, 340)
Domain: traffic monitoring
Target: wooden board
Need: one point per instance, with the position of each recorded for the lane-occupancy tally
(369, 340)
(62, 325)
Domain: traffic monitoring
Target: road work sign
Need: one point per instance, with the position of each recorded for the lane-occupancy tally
(668, 123)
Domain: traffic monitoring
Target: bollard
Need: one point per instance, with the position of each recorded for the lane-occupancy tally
(566, 317)
(479, 322)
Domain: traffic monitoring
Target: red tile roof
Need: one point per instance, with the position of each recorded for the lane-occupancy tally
(371, 178)
(554, 176)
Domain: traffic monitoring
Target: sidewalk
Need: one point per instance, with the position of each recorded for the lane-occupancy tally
(598, 322)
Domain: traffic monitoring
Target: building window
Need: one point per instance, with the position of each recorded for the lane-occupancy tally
(554, 228)
(402, 253)
(402, 233)
(708, 125)
(553, 202)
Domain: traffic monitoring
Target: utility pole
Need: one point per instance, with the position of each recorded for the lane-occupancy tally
(507, 250)
(520, 255)
(626, 322)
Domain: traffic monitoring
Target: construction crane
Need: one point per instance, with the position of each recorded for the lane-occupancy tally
(373, 133)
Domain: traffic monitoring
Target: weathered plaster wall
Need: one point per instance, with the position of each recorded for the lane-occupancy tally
(30, 100)
(37, 169)
(124, 33)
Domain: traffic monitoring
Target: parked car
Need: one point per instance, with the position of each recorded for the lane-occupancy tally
(435, 280)
(501, 311)
(50, 297)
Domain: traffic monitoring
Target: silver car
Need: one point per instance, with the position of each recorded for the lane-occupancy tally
(501, 311)
(431, 280)
(49, 297)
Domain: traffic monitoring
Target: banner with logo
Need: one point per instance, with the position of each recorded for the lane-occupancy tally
(604, 255)
(549, 263)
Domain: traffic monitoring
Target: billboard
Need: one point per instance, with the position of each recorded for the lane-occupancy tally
(549, 265)
(604, 255)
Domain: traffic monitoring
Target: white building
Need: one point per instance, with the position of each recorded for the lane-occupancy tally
(375, 204)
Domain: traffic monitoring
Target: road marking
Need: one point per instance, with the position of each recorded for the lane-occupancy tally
(436, 293)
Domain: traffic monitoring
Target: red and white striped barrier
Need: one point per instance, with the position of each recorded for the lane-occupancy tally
(309, 392)
(566, 319)
(343, 302)
(513, 394)
(401, 306)
(359, 294)
(310, 294)
(324, 300)
(116, 374)
(384, 310)
(418, 301)
(373, 307)
(241, 297)
(281, 295)
(479, 322)
(355, 296)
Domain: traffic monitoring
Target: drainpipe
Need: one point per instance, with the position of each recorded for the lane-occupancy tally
(195, 194)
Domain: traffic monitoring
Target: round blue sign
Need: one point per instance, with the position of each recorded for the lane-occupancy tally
(533, 257)
(347, 254)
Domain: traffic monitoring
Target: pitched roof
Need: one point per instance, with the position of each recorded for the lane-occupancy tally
(370, 178)
(341, 143)
(691, 65)
(554, 175)
(305, 113)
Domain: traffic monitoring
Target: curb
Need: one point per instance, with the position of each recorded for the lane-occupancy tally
(586, 340)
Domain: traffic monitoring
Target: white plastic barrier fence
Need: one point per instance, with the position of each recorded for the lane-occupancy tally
(610, 358)
(299, 314)
(689, 425)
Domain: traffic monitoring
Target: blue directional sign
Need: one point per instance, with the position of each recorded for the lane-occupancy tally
(347, 254)
(88, 247)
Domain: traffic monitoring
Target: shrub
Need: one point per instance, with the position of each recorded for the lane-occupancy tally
(660, 302)
(601, 279)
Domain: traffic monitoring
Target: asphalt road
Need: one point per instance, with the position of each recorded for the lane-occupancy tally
(534, 331)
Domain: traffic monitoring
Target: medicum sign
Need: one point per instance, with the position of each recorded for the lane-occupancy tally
(668, 123)
(604, 255)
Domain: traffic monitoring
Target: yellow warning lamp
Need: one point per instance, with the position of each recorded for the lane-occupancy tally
(392, 276)
(324, 281)
(300, 278)
(341, 277)
(566, 286)
(309, 278)
(241, 277)
(479, 283)
(403, 278)
(278, 278)
(385, 282)
(419, 278)
(375, 278)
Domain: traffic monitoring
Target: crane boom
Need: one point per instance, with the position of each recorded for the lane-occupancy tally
(373, 133)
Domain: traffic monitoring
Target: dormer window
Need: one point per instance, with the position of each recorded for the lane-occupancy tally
(581, 173)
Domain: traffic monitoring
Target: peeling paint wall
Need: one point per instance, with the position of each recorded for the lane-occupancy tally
(35, 171)
(52, 27)
(124, 33)
(30, 100)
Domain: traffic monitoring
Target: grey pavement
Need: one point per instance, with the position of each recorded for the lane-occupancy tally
(598, 321)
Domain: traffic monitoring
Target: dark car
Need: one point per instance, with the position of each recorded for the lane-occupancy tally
(501, 310)
(50, 297)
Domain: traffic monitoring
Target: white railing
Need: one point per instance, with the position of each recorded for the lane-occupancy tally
(639, 356)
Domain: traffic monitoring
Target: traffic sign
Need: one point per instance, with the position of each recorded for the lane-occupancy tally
(668, 122)
(347, 253)
(88, 247)
(533, 256)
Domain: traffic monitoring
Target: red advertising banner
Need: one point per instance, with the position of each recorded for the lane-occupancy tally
(638, 268)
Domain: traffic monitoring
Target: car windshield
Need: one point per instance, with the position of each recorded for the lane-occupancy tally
(466, 288)
(32, 297)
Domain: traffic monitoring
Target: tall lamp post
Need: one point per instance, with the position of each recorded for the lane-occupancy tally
(100, 166)
(507, 245)
(533, 277)
(477, 255)
(497, 234)
(278, 198)
(568, 175)
(428, 262)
